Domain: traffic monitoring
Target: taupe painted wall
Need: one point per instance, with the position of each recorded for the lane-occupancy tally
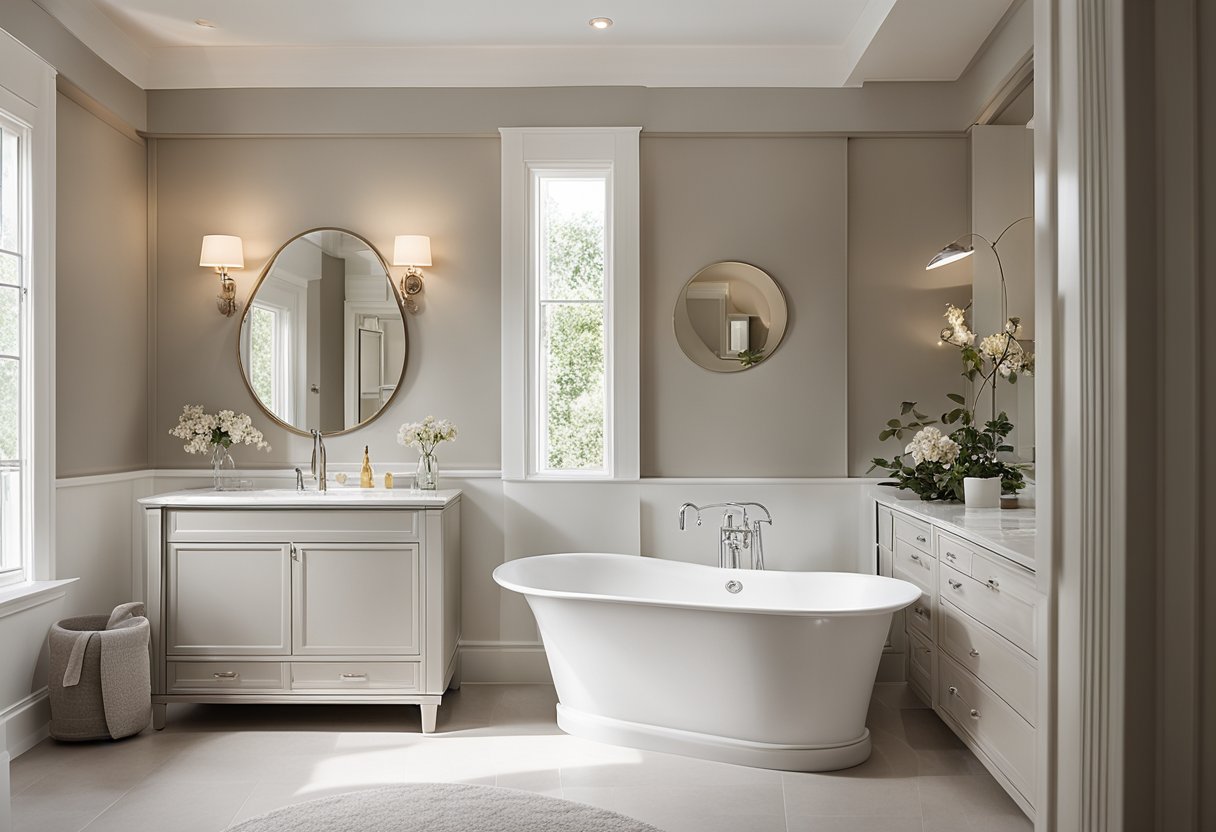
(779, 204)
(101, 297)
(907, 199)
(844, 226)
(267, 190)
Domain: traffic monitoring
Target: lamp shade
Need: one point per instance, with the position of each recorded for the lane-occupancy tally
(222, 251)
(952, 252)
(412, 250)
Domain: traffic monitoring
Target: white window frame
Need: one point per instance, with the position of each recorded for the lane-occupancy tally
(526, 153)
(27, 95)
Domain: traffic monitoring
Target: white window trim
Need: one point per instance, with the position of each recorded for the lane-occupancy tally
(525, 149)
(27, 92)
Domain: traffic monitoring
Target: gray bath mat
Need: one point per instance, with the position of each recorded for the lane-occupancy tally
(440, 807)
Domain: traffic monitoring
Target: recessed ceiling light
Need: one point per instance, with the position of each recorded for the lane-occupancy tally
(600, 22)
(204, 23)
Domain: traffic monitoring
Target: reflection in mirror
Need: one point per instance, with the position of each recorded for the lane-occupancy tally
(323, 342)
(730, 316)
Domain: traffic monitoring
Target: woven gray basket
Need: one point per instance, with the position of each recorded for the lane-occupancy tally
(113, 697)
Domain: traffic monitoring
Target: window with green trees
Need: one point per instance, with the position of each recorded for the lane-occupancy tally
(571, 387)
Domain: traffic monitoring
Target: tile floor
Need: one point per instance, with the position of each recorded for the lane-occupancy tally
(214, 765)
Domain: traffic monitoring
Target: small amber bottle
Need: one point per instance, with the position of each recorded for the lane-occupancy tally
(366, 480)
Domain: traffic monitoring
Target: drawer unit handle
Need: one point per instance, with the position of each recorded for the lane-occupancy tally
(227, 674)
(352, 677)
(921, 538)
(953, 691)
(951, 555)
(919, 610)
(954, 584)
(914, 556)
(994, 585)
(975, 654)
(923, 649)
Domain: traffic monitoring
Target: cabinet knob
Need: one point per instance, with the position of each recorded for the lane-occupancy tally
(921, 538)
(993, 584)
(951, 555)
(954, 584)
(919, 610)
(975, 654)
(975, 714)
(914, 556)
(952, 690)
(227, 674)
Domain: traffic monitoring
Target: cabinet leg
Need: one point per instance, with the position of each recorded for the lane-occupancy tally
(159, 713)
(429, 714)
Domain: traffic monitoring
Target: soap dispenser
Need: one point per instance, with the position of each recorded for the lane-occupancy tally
(366, 480)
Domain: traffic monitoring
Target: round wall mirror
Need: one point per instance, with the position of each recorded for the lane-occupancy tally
(323, 342)
(730, 317)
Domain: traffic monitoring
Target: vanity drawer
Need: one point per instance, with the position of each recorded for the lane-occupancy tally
(1007, 738)
(920, 615)
(210, 677)
(997, 572)
(293, 525)
(348, 677)
(993, 660)
(991, 604)
(913, 532)
(954, 552)
(914, 565)
(920, 664)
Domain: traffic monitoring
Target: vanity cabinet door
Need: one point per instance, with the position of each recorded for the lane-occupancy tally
(360, 599)
(228, 599)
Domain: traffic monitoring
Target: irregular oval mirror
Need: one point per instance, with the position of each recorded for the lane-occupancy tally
(730, 317)
(323, 341)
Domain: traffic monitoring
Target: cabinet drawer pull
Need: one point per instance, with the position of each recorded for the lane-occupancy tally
(923, 649)
(352, 677)
(914, 556)
(952, 690)
(919, 610)
(975, 654)
(921, 538)
(954, 584)
(994, 585)
(951, 555)
(227, 674)
(975, 714)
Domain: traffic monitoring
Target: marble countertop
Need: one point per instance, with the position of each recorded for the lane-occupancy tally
(1010, 532)
(335, 497)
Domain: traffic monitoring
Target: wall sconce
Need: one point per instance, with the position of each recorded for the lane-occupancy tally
(411, 251)
(223, 252)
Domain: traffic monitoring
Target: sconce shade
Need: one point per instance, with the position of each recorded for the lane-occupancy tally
(952, 252)
(412, 250)
(222, 251)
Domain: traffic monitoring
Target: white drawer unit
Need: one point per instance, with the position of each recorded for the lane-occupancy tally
(345, 677)
(987, 719)
(973, 636)
(212, 676)
(255, 602)
(996, 662)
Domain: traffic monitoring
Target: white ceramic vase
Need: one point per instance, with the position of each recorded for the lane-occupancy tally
(982, 492)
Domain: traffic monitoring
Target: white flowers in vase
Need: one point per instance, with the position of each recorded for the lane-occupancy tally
(203, 432)
(931, 445)
(426, 436)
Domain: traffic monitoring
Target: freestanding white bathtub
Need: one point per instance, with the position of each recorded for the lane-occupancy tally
(661, 655)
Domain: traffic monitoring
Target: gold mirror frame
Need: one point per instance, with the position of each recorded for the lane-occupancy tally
(240, 365)
(696, 351)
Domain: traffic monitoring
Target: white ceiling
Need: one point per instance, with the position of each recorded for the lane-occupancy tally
(799, 43)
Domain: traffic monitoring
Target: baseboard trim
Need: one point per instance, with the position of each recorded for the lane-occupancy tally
(504, 663)
(27, 722)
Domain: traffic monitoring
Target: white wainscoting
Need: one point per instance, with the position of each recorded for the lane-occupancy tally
(818, 524)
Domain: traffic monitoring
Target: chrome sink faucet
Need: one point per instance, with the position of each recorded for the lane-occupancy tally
(732, 539)
(318, 461)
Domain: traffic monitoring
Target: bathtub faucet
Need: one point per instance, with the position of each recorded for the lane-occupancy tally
(733, 539)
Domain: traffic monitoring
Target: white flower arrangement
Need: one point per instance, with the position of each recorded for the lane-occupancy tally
(931, 445)
(427, 434)
(203, 431)
(1006, 353)
(958, 333)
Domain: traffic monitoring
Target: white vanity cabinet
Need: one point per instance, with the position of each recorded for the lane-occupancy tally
(973, 640)
(342, 597)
